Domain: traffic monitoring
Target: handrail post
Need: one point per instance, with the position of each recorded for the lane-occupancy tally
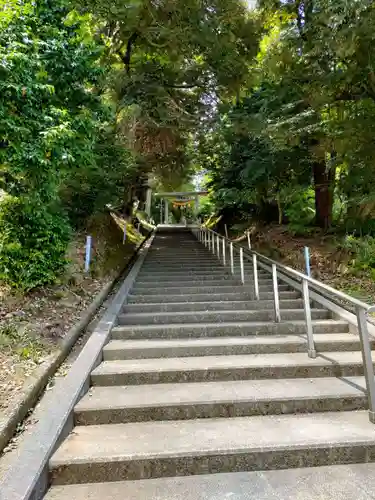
(256, 282)
(276, 294)
(241, 266)
(218, 246)
(213, 243)
(231, 257)
(310, 334)
(248, 240)
(224, 253)
(367, 361)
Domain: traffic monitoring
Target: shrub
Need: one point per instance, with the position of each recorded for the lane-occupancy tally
(362, 251)
(33, 241)
(300, 209)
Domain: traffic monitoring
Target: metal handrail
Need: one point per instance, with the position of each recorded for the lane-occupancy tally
(211, 239)
(298, 274)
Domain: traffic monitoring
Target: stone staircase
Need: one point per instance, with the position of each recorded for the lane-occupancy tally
(201, 395)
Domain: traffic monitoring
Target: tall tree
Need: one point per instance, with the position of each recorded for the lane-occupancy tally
(173, 60)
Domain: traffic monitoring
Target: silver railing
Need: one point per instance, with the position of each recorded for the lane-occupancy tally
(219, 246)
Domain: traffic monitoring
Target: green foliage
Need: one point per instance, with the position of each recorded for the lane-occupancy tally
(58, 150)
(206, 207)
(307, 119)
(277, 106)
(251, 169)
(101, 181)
(33, 240)
(362, 251)
(171, 62)
(300, 210)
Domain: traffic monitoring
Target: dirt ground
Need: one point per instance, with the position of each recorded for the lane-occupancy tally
(329, 262)
(32, 325)
(26, 428)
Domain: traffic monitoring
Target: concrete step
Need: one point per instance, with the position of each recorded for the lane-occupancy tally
(173, 290)
(192, 259)
(217, 281)
(190, 274)
(238, 367)
(182, 274)
(175, 255)
(226, 279)
(237, 305)
(212, 346)
(197, 276)
(194, 330)
(183, 271)
(115, 452)
(178, 267)
(335, 482)
(117, 405)
(218, 316)
(196, 268)
(162, 299)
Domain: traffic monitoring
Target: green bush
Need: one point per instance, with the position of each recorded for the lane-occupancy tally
(33, 242)
(300, 211)
(362, 252)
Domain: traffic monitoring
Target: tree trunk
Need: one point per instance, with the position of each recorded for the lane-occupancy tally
(324, 182)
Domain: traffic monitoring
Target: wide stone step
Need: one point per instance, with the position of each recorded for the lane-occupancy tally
(219, 316)
(335, 482)
(200, 281)
(196, 268)
(162, 299)
(223, 273)
(178, 267)
(236, 305)
(190, 260)
(173, 290)
(117, 405)
(215, 267)
(176, 255)
(182, 247)
(185, 275)
(194, 330)
(238, 367)
(217, 281)
(212, 346)
(197, 275)
(102, 453)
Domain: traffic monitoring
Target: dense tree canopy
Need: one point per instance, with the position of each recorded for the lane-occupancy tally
(275, 104)
(172, 61)
(314, 82)
(94, 99)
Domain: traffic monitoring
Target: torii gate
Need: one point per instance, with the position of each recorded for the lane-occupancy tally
(178, 196)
